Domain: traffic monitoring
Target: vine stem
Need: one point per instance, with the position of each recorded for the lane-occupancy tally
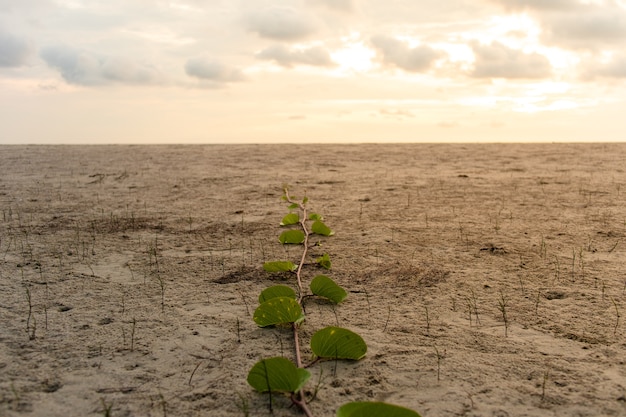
(298, 398)
(306, 232)
(296, 340)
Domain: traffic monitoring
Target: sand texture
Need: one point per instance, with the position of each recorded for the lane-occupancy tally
(129, 275)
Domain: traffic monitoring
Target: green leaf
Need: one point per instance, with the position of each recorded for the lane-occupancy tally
(279, 266)
(291, 218)
(276, 291)
(315, 216)
(293, 206)
(291, 237)
(278, 310)
(319, 228)
(277, 375)
(374, 409)
(338, 343)
(305, 200)
(325, 287)
(324, 261)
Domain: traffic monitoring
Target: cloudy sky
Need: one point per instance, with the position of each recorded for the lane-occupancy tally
(231, 71)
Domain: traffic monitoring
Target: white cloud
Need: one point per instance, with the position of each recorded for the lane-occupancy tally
(212, 70)
(286, 57)
(84, 68)
(14, 51)
(498, 61)
(397, 53)
(281, 23)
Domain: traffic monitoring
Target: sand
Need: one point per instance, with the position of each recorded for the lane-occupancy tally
(129, 275)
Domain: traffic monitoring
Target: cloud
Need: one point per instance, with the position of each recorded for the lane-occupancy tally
(575, 24)
(315, 56)
(212, 70)
(498, 61)
(398, 114)
(14, 51)
(84, 68)
(536, 4)
(29, 5)
(589, 27)
(281, 23)
(339, 5)
(401, 55)
(616, 68)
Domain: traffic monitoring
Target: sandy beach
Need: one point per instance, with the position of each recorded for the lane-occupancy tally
(129, 275)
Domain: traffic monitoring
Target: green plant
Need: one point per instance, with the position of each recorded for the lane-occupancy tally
(282, 305)
(132, 335)
(106, 408)
(557, 269)
(243, 405)
(503, 303)
(472, 306)
(30, 328)
(546, 377)
(617, 316)
(439, 358)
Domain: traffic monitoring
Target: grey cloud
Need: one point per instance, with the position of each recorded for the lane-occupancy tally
(616, 68)
(589, 27)
(12, 5)
(315, 56)
(212, 70)
(124, 71)
(498, 61)
(339, 5)
(83, 68)
(75, 67)
(14, 52)
(536, 4)
(574, 24)
(281, 23)
(397, 53)
(395, 113)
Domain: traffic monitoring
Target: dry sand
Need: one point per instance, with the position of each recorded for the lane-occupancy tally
(430, 239)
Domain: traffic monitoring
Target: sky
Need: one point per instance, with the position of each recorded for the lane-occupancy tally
(296, 71)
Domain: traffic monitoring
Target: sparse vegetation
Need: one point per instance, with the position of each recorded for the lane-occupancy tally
(280, 305)
(82, 259)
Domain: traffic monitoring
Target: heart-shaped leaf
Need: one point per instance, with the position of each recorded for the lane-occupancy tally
(291, 218)
(294, 237)
(338, 343)
(319, 228)
(277, 375)
(325, 287)
(279, 266)
(374, 409)
(278, 310)
(276, 291)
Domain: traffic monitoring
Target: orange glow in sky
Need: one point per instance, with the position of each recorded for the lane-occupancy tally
(198, 71)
